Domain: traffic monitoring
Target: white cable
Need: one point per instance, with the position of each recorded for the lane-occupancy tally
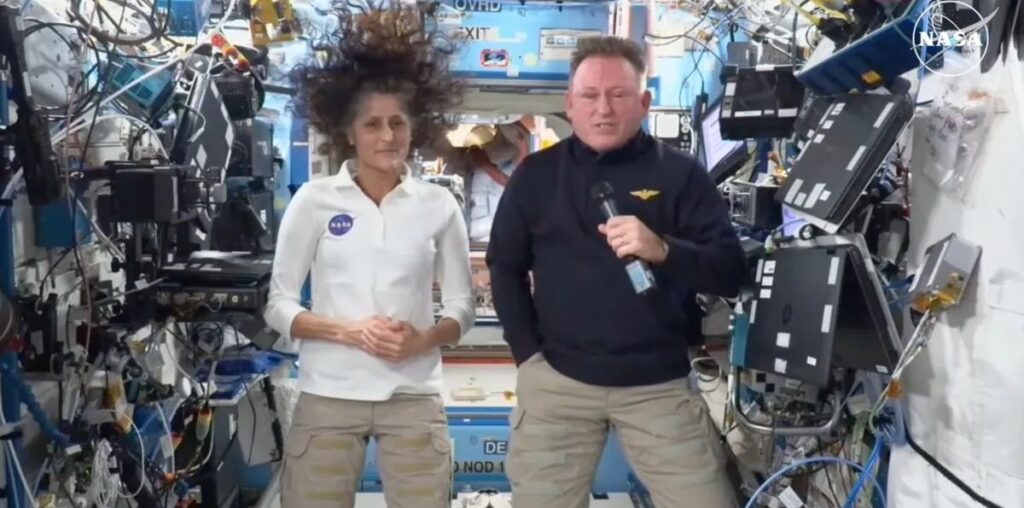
(84, 123)
(12, 458)
(42, 472)
(17, 176)
(142, 465)
(209, 455)
(109, 244)
(156, 70)
(916, 344)
(177, 365)
(101, 478)
(170, 439)
(14, 180)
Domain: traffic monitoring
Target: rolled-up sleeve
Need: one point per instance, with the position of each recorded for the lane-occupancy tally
(452, 269)
(293, 256)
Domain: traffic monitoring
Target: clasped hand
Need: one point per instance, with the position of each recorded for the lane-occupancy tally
(388, 339)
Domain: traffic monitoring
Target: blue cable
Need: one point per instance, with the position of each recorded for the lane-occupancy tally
(813, 460)
(866, 473)
(38, 413)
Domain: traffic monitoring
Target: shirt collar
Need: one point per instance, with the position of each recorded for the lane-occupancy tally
(345, 178)
(636, 145)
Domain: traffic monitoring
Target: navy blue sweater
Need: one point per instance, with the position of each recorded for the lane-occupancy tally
(583, 313)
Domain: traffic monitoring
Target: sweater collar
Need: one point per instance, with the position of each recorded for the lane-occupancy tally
(636, 145)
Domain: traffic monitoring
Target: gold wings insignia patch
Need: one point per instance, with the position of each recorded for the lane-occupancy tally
(645, 194)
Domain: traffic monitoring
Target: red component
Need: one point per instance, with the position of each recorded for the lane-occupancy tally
(242, 65)
(218, 40)
(231, 52)
(13, 345)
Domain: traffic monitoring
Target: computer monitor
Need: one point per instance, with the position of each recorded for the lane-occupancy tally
(819, 305)
(722, 157)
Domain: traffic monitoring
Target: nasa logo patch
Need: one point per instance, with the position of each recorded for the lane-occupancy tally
(340, 224)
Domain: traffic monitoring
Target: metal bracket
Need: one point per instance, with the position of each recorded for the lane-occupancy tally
(734, 398)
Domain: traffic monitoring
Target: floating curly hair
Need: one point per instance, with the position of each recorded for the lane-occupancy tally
(385, 46)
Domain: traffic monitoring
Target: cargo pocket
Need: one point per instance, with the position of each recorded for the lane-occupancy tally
(442, 444)
(537, 464)
(439, 437)
(296, 444)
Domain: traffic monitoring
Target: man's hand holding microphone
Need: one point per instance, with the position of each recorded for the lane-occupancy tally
(631, 239)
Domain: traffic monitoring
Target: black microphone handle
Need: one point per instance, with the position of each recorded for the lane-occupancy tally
(639, 271)
(609, 209)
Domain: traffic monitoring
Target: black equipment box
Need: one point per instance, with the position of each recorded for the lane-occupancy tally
(245, 223)
(752, 205)
(141, 192)
(252, 151)
(235, 283)
(205, 133)
(842, 156)
(819, 305)
(239, 94)
(760, 102)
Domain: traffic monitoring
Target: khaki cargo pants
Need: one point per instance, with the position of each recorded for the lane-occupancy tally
(326, 449)
(560, 428)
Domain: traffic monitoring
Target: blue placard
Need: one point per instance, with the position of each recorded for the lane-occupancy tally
(510, 40)
(480, 442)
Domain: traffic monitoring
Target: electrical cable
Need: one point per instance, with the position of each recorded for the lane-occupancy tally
(75, 10)
(868, 472)
(72, 198)
(170, 63)
(252, 440)
(12, 458)
(11, 184)
(813, 460)
(932, 461)
(170, 438)
(917, 342)
(115, 297)
(81, 124)
(834, 499)
(108, 244)
(142, 464)
(38, 413)
(49, 272)
(87, 96)
(182, 371)
(714, 30)
(39, 477)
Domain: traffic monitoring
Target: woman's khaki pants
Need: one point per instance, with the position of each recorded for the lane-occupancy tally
(326, 449)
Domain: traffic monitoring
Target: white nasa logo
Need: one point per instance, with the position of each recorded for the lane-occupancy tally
(929, 35)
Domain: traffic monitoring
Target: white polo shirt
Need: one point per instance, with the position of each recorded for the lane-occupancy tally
(366, 260)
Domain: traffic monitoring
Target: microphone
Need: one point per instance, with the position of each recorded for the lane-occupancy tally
(638, 270)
